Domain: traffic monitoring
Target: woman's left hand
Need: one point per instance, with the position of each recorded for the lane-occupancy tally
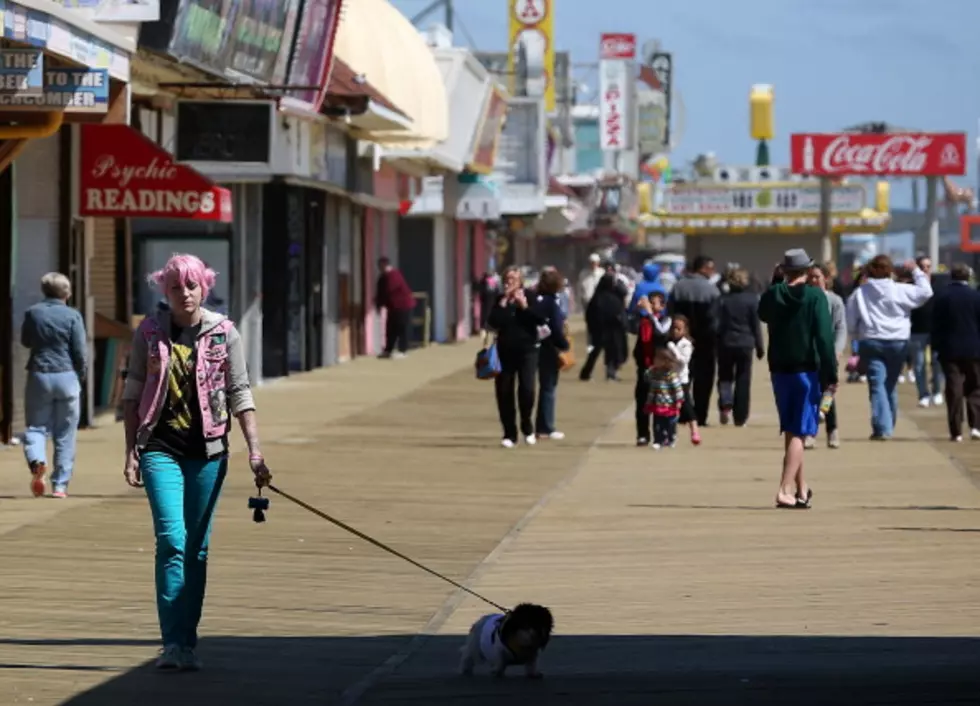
(263, 476)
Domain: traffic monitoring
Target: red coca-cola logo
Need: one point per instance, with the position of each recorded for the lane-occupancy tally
(617, 46)
(900, 154)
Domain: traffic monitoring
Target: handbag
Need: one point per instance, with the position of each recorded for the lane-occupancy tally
(566, 359)
(487, 360)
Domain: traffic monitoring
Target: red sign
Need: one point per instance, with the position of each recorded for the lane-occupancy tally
(124, 174)
(617, 46)
(906, 154)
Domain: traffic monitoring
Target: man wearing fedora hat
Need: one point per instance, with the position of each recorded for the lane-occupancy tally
(802, 363)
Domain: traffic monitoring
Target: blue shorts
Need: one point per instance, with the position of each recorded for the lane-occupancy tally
(798, 401)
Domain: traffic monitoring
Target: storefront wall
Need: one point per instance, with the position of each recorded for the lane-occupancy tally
(36, 246)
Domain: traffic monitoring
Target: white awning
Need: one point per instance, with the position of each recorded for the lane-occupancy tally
(376, 40)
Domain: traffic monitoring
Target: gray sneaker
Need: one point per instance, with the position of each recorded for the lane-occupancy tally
(189, 661)
(170, 658)
(808, 443)
(833, 440)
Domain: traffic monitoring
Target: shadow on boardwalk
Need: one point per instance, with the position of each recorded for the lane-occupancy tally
(595, 670)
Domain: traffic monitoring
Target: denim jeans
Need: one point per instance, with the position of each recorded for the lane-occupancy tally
(51, 407)
(544, 422)
(183, 494)
(918, 344)
(884, 361)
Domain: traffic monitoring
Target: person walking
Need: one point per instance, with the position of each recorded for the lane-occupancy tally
(186, 379)
(653, 333)
(739, 336)
(394, 294)
(548, 306)
(518, 328)
(588, 280)
(820, 277)
(878, 316)
(695, 296)
(955, 337)
(802, 364)
(920, 321)
(606, 320)
(55, 334)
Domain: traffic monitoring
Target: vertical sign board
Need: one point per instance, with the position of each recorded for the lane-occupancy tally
(533, 22)
(21, 72)
(662, 64)
(70, 90)
(616, 53)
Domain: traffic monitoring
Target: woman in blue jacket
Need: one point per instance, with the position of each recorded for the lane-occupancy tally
(548, 307)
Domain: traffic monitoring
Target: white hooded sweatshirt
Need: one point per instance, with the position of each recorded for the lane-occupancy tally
(879, 309)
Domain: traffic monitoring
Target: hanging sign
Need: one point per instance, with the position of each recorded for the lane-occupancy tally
(124, 174)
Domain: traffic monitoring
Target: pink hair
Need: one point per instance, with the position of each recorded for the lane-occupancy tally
(183, 268)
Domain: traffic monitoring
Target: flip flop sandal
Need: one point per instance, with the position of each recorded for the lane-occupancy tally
(792, 506)
(805, 502)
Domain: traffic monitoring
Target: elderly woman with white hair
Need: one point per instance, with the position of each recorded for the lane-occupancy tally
(55, 334)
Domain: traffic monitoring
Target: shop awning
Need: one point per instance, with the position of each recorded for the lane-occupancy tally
(124, 174)
(378, 112)
(468, 88)
(379, 43)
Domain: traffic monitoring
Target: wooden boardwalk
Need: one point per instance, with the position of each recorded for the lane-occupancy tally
(672, 579)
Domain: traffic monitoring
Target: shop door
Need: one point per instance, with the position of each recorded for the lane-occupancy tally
(6, 308)
(314, 277)
(416, 261)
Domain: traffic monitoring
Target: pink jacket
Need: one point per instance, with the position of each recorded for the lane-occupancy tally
(221, 376)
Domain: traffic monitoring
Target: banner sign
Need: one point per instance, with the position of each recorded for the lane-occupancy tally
(43, 31)
(70, 90)
(613, 101)
(753, 200)
(903, 154)
(312, 52)
(533, 22)
(124, 174)
(21, 72)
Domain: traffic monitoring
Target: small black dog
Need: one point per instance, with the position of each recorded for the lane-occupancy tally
(503, 639)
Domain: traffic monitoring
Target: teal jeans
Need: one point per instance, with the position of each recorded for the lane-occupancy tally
(183, 494)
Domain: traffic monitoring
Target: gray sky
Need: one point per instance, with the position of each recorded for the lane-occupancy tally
(833, 63)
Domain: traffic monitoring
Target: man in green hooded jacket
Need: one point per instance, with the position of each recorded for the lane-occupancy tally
(802, 364)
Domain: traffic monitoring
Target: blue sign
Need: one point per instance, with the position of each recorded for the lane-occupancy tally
(21, 71)
(70, 90)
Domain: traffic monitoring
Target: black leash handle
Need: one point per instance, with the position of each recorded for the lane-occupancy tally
(381, 545)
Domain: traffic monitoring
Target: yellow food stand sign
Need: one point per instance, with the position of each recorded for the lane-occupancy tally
(777, 207)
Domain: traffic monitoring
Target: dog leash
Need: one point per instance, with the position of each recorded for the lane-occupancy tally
(381, 545)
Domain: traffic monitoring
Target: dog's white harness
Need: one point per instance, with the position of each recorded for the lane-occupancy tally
(491, 646)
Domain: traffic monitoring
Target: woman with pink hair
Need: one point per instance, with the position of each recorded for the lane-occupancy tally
(186, 378)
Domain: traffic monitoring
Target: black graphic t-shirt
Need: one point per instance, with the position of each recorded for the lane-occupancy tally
(179, 431)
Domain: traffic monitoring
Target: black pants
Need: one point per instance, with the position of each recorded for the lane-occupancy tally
(703, 379)
(521, 369)
(735, 381)
(612, 349)
(962, 385)
(640, 394)
(664, 430)
(397, 329)
(548, 371)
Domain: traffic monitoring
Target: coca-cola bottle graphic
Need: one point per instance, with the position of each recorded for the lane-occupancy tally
(808, 154)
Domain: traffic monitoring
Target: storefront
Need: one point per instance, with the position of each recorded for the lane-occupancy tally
(59, 70)
(441, 260)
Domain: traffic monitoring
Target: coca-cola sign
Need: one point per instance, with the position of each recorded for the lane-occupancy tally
(904, 154)
(617, 46)
(123, 174)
